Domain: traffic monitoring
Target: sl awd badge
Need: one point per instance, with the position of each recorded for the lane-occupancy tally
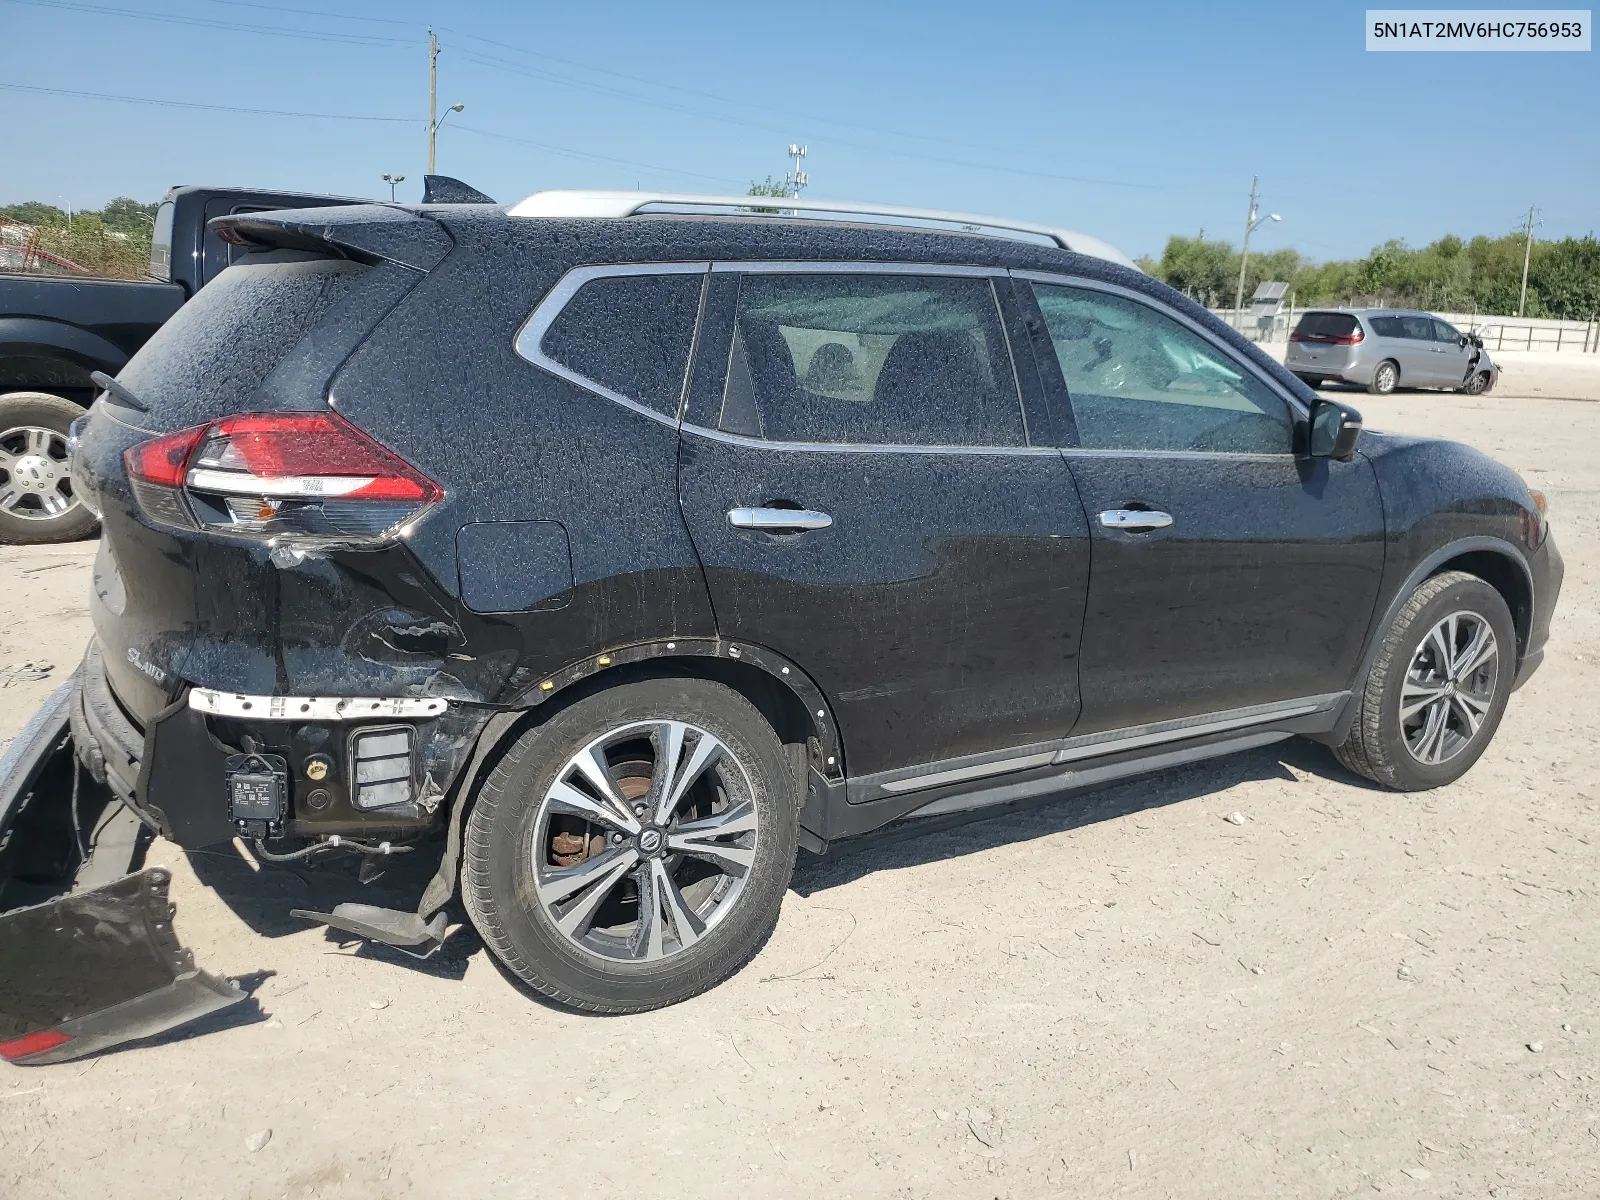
(149, 668)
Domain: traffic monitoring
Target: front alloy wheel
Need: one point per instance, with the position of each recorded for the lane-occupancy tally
(633, 850)
(1449, 688)
(1437, 688)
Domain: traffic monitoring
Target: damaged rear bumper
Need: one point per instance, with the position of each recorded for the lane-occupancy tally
(92, 968)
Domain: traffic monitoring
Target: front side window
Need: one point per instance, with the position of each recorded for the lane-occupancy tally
(870, 359)
(630, 334)
(1443, 332)
(1140, 380)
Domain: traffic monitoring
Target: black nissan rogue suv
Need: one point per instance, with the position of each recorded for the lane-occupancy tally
(630, 549)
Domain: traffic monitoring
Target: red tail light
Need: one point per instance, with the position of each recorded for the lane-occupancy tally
(1326, 339)
(33, 1043)
(283, 476)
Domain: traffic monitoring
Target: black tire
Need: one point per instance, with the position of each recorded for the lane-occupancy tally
(1376, 746)
(498, 876)
(21, 411)
(1385, 378)
(1477, 385)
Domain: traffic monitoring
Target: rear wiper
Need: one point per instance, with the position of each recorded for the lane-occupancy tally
(121, 394)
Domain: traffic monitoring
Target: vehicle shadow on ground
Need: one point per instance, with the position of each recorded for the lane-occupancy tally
(915, 843)
(264, 899)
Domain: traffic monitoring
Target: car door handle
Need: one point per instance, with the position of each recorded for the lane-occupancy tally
(1134, 519)
(778, 520)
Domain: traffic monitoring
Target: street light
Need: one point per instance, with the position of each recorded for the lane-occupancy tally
(433, 129)
(1252, 223)
(393, 181)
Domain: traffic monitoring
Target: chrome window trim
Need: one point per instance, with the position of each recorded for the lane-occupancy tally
(739, 439)
(1078, 281)
(775, 267)
(528, 342)
(850, 267)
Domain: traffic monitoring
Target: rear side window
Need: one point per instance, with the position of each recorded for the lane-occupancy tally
(218, 349)
(1388, 327)
(871, 359)
(631, 335)
(1420, 328)
(1326, 325)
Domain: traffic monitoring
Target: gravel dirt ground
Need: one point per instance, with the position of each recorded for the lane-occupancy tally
(1120, 992)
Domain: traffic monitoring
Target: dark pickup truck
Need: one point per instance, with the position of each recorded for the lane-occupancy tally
(56, 331)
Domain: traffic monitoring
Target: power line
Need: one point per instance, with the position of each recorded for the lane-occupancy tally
(563, 81)
(563, 150)
(264, 112)
(788, 114)
(311, 12)
(306, 35)
(655, 103)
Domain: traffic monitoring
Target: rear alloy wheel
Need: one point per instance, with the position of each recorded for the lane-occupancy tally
(1438, 687)
(1384, 379)
(37, 503)
(634, 850)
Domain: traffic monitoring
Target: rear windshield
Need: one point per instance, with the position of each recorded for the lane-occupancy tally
(213, 355)
(1326, 325)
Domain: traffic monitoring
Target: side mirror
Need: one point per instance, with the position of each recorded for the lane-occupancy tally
(1462, 340)
(1335, 430)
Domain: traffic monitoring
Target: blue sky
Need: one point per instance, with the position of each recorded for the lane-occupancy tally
(1128, 121)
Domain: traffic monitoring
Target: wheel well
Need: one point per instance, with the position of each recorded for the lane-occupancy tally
(783, 710)
(1505, 577)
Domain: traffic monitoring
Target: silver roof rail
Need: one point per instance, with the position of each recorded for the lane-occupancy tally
(601, 205)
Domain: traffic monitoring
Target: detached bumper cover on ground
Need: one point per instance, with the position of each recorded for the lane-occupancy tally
(94, 968)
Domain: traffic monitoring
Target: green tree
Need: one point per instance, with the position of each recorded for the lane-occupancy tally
(767, 188)
(32, 212)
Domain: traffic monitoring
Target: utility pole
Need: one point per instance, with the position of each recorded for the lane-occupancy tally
(1244, 257)
(433, 93)
(1527, 253)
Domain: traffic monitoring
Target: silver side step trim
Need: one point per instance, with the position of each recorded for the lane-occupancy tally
(961, 774)
(1087, 746)
(310, 708)
(1117, 741)
(1004, 793)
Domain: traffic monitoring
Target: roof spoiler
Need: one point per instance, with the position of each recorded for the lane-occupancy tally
(368, 233)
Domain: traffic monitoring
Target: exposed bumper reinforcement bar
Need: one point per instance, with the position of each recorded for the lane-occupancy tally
(310, 708)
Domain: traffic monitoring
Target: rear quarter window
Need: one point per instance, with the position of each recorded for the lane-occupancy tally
(630, 334)
(1326, 325)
